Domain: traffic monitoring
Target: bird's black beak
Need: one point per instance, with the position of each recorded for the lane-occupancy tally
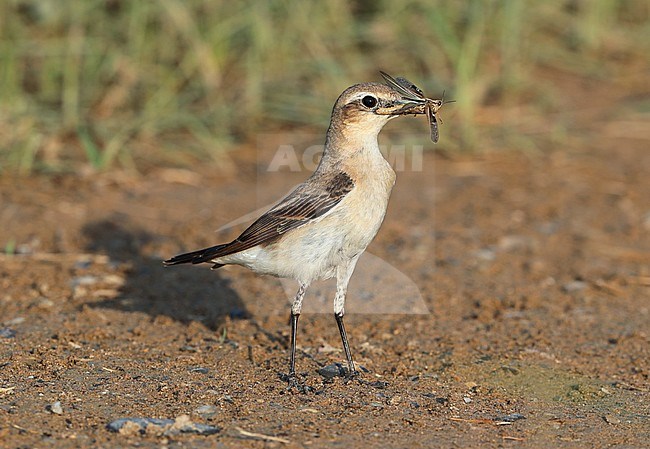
(403, 106)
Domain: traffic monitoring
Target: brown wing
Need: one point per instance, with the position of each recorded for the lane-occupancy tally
(301, 206)
(306, 203)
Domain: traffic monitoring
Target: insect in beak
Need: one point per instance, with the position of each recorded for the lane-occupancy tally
(431, 109)
(417, 102)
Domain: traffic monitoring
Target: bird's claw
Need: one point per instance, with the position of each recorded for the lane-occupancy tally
(351, 377)
(293, 382)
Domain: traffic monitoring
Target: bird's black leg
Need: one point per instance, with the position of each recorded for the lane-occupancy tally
(294, 331)
(346, 345)
(295, 314)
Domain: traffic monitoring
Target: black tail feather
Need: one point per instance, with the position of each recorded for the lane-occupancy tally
(199, 256)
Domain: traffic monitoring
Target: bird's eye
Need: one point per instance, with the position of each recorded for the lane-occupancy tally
(369, 101)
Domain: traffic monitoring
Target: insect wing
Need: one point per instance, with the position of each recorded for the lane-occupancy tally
(405, 91)
(410, 86)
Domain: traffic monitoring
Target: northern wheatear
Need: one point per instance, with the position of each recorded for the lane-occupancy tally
(321, 228)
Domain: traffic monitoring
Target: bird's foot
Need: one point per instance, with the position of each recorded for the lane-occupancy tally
(354, 371)
(293, 382)
(356, 375)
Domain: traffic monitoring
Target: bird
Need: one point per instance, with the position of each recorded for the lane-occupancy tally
(321, 228)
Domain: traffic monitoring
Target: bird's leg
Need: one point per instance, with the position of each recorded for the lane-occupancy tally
(296, 307)
(346, 345)
(343, 274)
(294, 330)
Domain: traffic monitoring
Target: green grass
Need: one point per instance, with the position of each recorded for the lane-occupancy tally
(118, 83)
(10, 247)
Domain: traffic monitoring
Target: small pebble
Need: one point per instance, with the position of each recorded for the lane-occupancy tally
(510, 369)
(574, 286)
(43, 303)
(84, 280)
(467, 400)
(55, 408)
(167, 427)
(515, 242)
(610, 419)
(206, 411)
(83, 264)
(337, 369)
(24, 248)
(332, 370)
(17, 320)
(7, 332)
(486, 254)
(199, 369)
(510, 418)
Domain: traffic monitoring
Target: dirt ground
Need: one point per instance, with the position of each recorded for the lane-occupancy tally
(532, 326)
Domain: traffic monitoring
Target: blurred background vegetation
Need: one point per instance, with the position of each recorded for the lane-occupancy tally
(135, 84)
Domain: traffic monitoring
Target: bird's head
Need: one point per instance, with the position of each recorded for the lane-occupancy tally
(362, 110)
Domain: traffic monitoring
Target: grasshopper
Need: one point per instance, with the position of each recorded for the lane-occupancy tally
(430, 107)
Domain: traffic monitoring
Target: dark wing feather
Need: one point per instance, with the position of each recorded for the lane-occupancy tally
(307, 202)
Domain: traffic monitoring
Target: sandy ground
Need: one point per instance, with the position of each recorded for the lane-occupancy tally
(525, 280)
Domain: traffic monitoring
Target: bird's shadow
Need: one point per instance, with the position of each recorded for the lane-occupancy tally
(185, 294)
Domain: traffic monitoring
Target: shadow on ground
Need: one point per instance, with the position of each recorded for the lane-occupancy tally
(182, 293)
